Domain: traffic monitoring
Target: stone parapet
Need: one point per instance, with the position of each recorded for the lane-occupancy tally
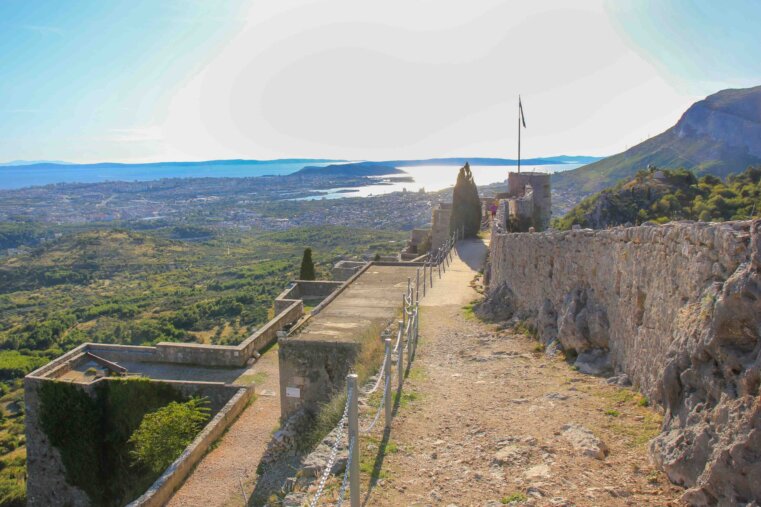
(677, 308)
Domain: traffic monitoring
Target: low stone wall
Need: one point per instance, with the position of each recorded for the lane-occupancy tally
(230, 355)
(678, 309)
(306, 290)
(343, 270)
(161, 491)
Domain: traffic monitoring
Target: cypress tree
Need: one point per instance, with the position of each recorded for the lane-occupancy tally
(466, 205)
(307, 266)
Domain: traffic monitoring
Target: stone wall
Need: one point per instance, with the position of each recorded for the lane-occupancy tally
(306, 290)
(343, 270)
(312, 372)
(46, 475)
(675, 307)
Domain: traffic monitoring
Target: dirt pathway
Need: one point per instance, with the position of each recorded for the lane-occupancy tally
(218, 478)
(487, 415)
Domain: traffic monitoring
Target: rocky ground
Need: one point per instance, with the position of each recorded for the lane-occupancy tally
(489, 419)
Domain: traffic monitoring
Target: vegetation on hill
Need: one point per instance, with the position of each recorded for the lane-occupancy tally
(719, 135)
(466, 205)
(122, 286)
(659, 196)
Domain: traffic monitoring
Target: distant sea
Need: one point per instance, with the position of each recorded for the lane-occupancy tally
(428, 177)
(433, 178)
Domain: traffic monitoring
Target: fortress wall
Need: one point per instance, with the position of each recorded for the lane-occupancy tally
(677, 308)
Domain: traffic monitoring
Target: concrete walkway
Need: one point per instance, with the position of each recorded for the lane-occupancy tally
(231, 466)
(453, 288)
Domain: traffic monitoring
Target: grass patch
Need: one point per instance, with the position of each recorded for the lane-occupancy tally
(525, 328)
(417, 373)
(369, 464)
(619, 396)
(638, 433)
(257, 378)
(468, 310)
(407, 398)
(513, 497)
(324, 422)
(613, 413)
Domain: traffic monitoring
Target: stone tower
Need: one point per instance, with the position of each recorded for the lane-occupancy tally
(537, 185)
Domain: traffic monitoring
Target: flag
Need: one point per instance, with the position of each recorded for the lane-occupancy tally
(520, 112)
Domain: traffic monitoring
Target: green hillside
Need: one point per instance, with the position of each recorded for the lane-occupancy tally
(119, 286)
(662, 195)
(720, 135)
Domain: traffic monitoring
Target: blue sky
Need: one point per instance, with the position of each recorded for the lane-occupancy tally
(188, 80)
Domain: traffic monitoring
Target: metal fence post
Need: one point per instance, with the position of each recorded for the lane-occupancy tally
(439, 266)
(404, 309)
(351, 380)
(425, 280)
(387, 382)
(410, 325)
(417, 285)
(417, 328)
(400, 361)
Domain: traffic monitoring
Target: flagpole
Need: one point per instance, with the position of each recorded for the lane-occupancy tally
(519, 134)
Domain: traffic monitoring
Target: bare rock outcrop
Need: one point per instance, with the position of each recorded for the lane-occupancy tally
(584, 441)
(677, 310)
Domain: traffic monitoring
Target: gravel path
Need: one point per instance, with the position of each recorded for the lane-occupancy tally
(491, 420)
(218, 478)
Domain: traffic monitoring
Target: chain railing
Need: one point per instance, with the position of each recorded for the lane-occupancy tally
(406, 344)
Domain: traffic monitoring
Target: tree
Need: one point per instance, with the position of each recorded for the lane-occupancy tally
(307, 266)
(466, 205)
(165, 433)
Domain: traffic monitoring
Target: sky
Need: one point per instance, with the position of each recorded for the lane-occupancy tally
(138, 81)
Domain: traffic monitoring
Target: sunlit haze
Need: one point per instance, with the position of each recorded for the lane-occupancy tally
(194, 80)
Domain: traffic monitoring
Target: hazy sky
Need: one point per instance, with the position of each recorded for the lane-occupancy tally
(130, 80)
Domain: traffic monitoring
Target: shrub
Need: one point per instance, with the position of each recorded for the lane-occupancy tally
(165, 433)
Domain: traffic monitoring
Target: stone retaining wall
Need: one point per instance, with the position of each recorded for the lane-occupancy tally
(678, 309)
(46, 483)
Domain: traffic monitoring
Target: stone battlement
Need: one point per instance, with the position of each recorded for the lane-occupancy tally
(675, 307)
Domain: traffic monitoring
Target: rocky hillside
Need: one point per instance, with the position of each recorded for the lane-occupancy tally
(661, 196)
(719, 135)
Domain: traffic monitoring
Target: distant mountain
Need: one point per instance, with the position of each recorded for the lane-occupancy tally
(719, 135)
(148, 165)
(15, 163)
(349, 170)
(661, 195)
